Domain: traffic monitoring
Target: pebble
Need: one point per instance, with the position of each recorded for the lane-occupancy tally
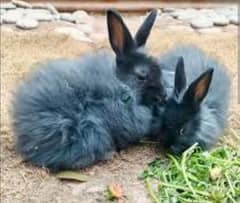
(40, 16)
(224, 11)
(52, 9)
(220, 20)
(27, 23)
(56, 17)
(2, 11)
(21, 4)
(201, 23)
(187, 15)
(30, 11)
(74, 33)
(159, 11)
(168, 10)
(234, 19)
(176, 13)
(209, 13)
(7, 6)
(67, 17)
(81, 17)
(12, 16)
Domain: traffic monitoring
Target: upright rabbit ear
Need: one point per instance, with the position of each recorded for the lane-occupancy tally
(145, 29)
(199, 88)
(119, 36)
(180, 77)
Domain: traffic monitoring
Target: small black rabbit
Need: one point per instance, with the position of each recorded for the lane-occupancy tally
(196, 110)
(73, 113)
(134, 67)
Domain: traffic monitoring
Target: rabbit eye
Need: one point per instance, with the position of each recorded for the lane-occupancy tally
(141, 77)
(181, 131)
(141, 74)
(126, 98)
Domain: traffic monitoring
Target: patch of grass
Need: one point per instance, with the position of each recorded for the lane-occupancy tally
(195, 176)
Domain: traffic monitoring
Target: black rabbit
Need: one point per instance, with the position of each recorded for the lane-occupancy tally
(198, 98)
(73, 113)
(134, 67)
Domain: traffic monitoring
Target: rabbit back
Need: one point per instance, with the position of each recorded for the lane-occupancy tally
(49, 118)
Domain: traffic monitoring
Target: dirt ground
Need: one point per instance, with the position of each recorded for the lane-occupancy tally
(21, 182)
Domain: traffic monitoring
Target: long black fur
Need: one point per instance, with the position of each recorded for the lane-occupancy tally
(73, 113)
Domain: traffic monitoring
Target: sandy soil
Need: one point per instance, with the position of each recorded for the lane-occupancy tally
(20, 182)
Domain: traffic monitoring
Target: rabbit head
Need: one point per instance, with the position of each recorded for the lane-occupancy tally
(134, 67)
(181, 116)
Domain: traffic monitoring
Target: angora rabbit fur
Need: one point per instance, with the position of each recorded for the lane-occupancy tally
(73, 113)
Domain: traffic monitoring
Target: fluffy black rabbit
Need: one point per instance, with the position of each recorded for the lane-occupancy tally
(198, 97)
(72, 113)
(134, 67)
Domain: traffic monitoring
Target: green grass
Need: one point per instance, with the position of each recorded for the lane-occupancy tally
(196, 176)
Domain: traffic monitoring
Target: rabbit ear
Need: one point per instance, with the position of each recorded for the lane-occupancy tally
(180, 77)
(199, 88)
(144, 31)
(119, 36)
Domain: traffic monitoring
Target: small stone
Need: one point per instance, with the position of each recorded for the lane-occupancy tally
(220, 20)
(67, 17)
(225, 11)
(21, 4)
(40, 16)
(234, 19)
(12, 16)
(176, 13)
(81, 17)
(187, 15)
(27, 23)
(52, 9)
(30, 11)
(201, 23)
(2, 11)
(7, 6)
(168, 10)
(74, 33)
(159, 11)
(56, 17)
